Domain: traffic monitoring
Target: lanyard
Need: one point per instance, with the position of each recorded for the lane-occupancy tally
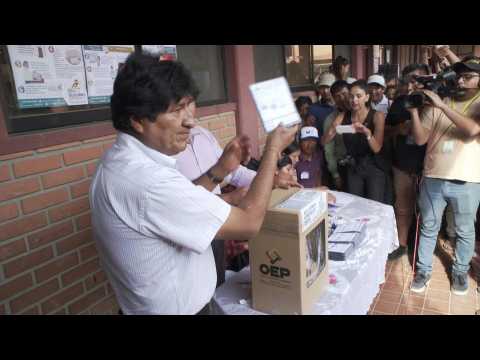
(467, 105)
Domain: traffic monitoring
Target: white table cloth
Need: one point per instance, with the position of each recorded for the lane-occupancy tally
(357, 279)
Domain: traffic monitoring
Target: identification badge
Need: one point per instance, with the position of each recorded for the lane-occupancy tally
(305, 175)
(448, 147)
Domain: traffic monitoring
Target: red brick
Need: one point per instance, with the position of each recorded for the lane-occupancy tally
(76, 156)
(61, 312)
(80, 272)
(62, 177)
(13, 287)
(22, 226)
(4, 173)
(36, 165)
(84, 221)
(56, 267)
(107, 306)
(88, 252)
(74, 241)
(227, 133)
(80, 189)
(44, 200)
(28, 261)
(48, 235)
(32, 311)
(33, 296)
(86, 301)
(16, 155)
(62, 298)
(12, 249)
(109, 289)
(8, 212)
(72, 208)
(95, 280)
(18, 188)
(2, 310)
(91, 168)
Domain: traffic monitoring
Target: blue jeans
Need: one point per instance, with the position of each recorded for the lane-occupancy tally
(464, 200)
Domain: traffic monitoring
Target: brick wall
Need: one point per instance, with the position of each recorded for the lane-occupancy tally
(48, 260)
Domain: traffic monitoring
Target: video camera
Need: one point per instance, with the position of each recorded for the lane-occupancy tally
(444, 84)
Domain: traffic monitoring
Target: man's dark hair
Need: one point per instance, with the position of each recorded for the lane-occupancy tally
(146, 87)
(337, 65)
(413, 67)
(302, 100)
(338, 86)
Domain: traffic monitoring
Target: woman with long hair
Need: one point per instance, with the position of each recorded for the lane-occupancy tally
(367, 167)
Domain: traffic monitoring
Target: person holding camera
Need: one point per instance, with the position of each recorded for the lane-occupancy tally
(451, 130)
(407, 157)
(367, 165)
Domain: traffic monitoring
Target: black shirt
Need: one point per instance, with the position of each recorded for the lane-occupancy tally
(407, 156)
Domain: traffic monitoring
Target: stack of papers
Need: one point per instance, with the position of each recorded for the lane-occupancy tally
(339, 251)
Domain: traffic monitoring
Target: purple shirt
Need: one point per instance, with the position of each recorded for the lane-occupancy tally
(204, 152)
(309, 172)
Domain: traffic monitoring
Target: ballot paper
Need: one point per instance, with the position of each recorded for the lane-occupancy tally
(345, 129)
(351, 232)
(275, 104)
(339, 251)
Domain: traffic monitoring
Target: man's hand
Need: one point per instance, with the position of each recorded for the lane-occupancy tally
(236, 152)
(434, 98)
(286, 178)
(234, 197)
(280, 138)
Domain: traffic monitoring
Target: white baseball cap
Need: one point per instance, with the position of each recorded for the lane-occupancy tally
(377, 79)
(325, 79)
(308, 132)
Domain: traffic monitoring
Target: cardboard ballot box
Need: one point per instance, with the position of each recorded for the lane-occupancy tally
(289, 256)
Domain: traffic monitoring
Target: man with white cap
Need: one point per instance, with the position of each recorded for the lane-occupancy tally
(325, 105)
(376, 88)
(309, 166)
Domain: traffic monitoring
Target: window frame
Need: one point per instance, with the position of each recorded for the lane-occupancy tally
(25, 124)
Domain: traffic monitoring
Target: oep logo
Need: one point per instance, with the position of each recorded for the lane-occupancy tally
(272, 270)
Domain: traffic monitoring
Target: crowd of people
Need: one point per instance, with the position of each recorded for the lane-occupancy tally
(408, 147)
(157, 205)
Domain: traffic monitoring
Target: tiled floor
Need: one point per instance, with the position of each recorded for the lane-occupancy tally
(395, 298)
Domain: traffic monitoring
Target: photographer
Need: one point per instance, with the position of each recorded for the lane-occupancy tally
(451, 130)
(407, 157)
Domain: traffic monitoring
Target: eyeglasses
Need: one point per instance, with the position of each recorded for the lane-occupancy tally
(466, 77)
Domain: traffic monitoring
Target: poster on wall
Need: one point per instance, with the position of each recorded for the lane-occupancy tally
(165, 52)
(102, 63)
(48, 75)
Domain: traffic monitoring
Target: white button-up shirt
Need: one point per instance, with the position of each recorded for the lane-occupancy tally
(153, 229)
(382, 106)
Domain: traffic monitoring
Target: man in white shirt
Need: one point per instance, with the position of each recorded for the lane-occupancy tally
(376, 88)
(153, 227)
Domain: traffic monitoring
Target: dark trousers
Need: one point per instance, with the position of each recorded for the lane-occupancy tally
(218, 247)
(365, 179)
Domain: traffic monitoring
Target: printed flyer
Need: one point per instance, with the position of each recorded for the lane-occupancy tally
(165, 52)
(48, 75)
(102, 63)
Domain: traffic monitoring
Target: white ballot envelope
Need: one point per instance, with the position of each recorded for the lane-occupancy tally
(275, 104)
(345, 129)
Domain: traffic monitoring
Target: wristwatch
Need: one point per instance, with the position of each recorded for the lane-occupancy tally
(213, 178)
